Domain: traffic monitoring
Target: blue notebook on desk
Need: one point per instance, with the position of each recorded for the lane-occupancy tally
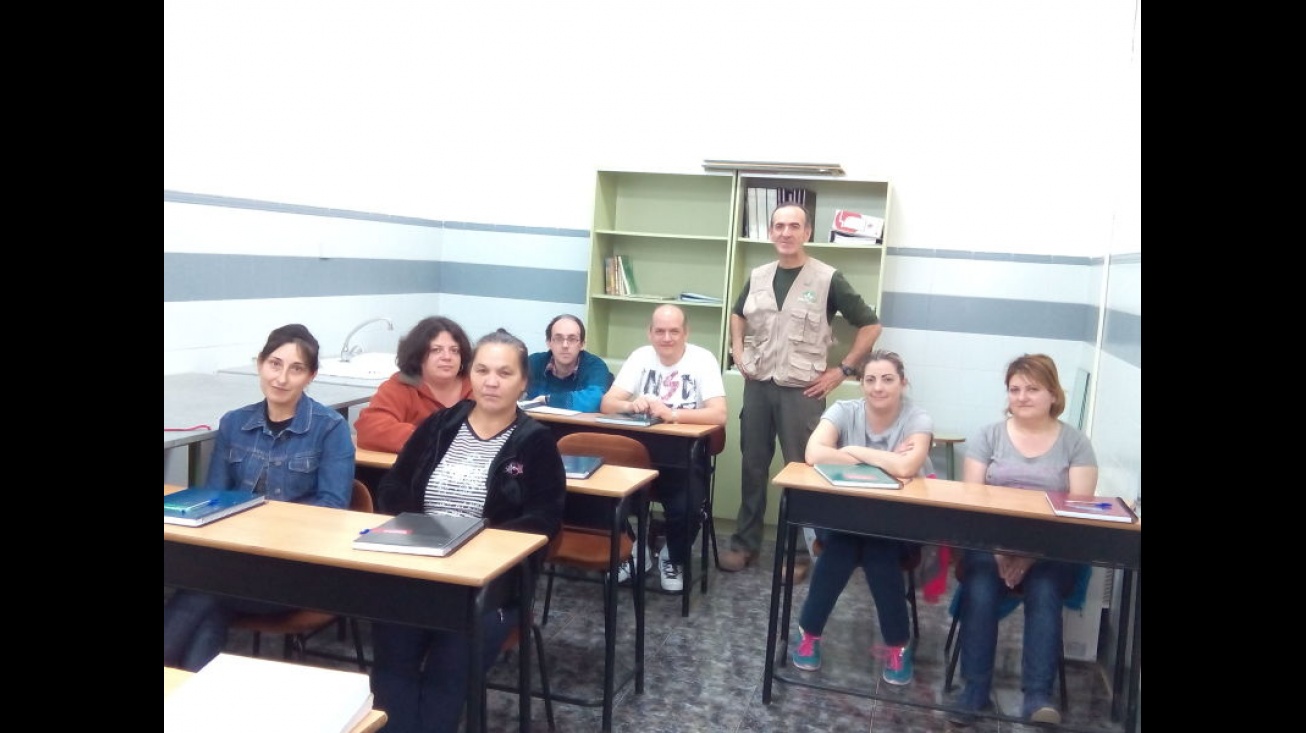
(581, 467)
(197, 506)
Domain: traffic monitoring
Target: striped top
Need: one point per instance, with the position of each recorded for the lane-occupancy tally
(457, 485)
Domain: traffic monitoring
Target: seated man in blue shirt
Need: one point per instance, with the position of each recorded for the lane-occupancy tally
(569, 376)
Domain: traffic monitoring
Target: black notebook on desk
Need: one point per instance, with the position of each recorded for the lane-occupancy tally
(637, 419)
(418, 533)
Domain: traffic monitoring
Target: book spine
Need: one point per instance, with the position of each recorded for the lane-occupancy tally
(628, 277)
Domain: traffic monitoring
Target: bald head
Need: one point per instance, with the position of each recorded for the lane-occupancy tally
(667, 331)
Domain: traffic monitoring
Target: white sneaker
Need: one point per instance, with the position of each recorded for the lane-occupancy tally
(627, 568)
(671, 580)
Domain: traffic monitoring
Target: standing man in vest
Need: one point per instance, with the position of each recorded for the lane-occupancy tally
(780, 339)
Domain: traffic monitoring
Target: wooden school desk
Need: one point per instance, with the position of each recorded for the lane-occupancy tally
(679, 446)
(976, 516)
(174, 678)
(625, 489)
(301, 555)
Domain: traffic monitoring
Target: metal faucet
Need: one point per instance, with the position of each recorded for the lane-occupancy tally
(348, 352)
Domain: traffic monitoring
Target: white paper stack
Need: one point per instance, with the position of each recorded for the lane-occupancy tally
(235, 693)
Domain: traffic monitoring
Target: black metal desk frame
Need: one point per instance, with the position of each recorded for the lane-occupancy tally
(1093, 544)
(666, 451)
(363, 594)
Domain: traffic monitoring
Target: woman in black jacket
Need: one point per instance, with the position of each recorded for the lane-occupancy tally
(483, 457)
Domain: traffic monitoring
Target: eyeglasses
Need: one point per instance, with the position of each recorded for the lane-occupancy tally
(559, 339)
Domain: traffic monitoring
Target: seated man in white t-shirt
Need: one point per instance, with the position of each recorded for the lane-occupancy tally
(680, 383)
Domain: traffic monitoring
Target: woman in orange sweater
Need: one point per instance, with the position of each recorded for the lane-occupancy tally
(433, 360)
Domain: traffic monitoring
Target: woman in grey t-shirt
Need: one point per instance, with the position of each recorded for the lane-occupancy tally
(1031, 449)
(883, 429)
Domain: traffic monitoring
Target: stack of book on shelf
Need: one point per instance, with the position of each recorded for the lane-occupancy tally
(619, 279)
(850, 227)
(760, 201)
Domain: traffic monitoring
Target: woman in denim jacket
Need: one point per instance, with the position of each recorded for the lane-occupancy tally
(288, 447)
(483, 457)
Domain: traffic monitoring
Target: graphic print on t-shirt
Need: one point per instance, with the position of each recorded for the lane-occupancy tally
(673, 388)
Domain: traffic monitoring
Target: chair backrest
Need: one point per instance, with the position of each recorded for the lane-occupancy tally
(361, 498)
(619, 450)
(717, 442)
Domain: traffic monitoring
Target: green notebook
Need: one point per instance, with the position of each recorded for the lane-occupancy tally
(197, 506)
(858, 476)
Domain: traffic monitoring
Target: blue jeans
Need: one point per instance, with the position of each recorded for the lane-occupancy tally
(195, 626)
(1045, 588)
(881, 560)
(419, 676)
(681, 499)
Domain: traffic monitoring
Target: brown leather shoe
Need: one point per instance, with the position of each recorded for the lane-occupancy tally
(732, 561)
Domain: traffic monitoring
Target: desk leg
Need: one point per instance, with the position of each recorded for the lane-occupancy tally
(610, 615)
(475, 670)
(1131, 620)
(642, 531)
(1136, 664)
(784, 539)
(525, 618)
(697, 478)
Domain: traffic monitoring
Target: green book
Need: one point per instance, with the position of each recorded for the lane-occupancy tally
(197, 506)
(858, 476)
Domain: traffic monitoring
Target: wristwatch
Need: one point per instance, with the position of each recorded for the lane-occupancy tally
(847, 370)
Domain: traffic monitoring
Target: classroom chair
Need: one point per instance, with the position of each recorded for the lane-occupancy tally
(299, 625)
(587, 548)
(952, 645)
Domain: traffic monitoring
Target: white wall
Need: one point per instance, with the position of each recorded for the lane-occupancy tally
(997, 122)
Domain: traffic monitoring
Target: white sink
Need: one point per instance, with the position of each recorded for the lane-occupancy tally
(368, 365)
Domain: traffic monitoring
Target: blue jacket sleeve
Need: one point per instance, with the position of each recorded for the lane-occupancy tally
(335, 473)
(594, 378)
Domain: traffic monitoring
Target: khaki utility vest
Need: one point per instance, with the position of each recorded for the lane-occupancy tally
(788, 344)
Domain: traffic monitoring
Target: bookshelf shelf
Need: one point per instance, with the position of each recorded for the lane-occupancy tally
(686, 233)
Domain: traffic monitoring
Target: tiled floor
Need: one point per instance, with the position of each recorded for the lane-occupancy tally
(704, 672)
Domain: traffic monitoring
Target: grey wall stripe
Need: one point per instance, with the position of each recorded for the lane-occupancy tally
(1124, 337)
(959, 254)
(996, 316)
(190, 276)
(518, 283)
